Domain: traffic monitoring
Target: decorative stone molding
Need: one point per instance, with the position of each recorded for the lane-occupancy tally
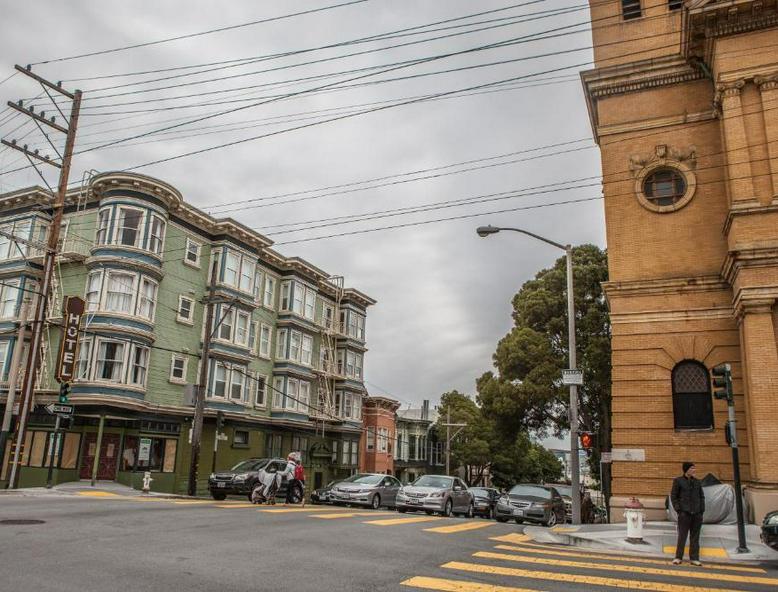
(727, 90)
(682, 161)
(757, 306)
(767, 82)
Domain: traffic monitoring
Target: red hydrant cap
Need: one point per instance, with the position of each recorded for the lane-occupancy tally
(633, 504)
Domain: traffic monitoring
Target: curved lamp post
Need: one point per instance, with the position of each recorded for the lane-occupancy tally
(484, 231)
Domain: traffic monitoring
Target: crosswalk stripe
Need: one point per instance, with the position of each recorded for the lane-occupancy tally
(704, 551)
(289, 510)
(459, 527)
(577, 578)
(719, 577)
(349, 515)
(98, 494)
(511, 538)
(458, 585)
(396, 521)
(193, 503)
(229, 506)
(544, 550)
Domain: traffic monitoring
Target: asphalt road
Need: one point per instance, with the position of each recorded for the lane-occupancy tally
(89, 543)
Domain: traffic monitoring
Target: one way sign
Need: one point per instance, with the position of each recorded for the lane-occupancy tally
(59, 409)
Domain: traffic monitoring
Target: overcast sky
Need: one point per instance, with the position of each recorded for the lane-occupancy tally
(443, 293)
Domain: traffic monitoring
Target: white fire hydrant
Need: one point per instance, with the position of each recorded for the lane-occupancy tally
(147, 482)
(635, 517)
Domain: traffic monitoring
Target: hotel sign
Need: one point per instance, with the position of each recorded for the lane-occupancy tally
(67, 361)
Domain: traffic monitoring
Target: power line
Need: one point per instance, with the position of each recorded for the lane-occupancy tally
(200, 34)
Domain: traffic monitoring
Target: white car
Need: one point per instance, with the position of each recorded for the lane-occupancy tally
(436, 494)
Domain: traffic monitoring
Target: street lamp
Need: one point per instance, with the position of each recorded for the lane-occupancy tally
(484, 231)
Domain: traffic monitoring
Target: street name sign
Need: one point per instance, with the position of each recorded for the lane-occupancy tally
(629, 454)
(73, 309)
(606, 457)
(572, 377)
(59, 409)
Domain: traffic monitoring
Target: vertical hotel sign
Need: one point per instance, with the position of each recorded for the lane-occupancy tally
(67, 361)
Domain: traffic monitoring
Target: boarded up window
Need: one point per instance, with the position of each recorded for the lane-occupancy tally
(39, 440)
(70, 451)
(170, 456)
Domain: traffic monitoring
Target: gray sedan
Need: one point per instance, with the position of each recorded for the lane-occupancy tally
(366, 489)
(436, 493)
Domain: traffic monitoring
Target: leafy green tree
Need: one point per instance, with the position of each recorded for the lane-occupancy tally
(524, 461)
(526, 394)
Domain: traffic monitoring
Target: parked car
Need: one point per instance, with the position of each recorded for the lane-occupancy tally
(484, 500)
(366, 489)
(770, 530)
(587, 506)
(322, 495)
(436, 493)
(528, 502)
(242, 478)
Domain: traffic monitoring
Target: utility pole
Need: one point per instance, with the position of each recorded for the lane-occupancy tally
(575, 464)
(50, 257)
(450, 437)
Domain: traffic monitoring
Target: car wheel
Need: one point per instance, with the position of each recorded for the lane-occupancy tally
(551, 520)
(402, 510)
(218, 496)
(470, 511)
(519, 521)
(375, 503)
(500, 519)
(429, 512)
(448, 508)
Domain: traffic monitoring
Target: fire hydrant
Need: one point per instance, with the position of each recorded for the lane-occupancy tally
(634, 515)
(147, 482)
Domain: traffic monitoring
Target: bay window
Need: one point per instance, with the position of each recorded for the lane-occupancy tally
(304, 397)
(269, 299)
(286, 295)
(344, 449)
(298, 298)
(358, 366)
(84, 358)
(350, 359)
(225, 328)
(281, 344)
(252, 344)
(306, 355)
(103, 221)
(93, 285)
(260, 391)
(237, 384)
(219, 380)
(3, 356)
(9, 296)
(247, 269)
(242, 329)
(310, 301)
(264, 341)
(278, 392)
(148, 298)
(257, 286)
(295, 339)
(121, 287)
(110, 360)
(157, 235)
(140, 365)
(231, 269)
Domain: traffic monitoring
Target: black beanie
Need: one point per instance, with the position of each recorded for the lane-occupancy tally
(687, 466)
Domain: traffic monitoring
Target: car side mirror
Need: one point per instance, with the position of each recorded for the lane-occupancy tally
(457, 488)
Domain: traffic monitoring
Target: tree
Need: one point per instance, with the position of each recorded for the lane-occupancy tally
(524, 461)
(526, 394)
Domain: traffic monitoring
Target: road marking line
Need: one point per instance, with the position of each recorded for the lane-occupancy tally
(192, 503)
(526, 548)
(577, 578)
(511, 538)
(98, 494)
(234, 505)
(283, 510)
(719, 577)
(349, 515)
(565, 529)
(397, 521)
(704, 551)
(459, 527)
(458, 585)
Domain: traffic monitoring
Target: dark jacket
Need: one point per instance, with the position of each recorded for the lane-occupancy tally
(687, 495)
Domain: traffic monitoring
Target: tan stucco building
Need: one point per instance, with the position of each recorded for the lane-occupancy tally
(683, 103)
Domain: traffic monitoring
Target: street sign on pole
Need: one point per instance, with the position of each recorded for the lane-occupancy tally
(59, 409)
(629, 454)
(572, 377)
(606, 457)
(67, 361)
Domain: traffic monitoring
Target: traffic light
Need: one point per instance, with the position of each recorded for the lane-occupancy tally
(587, 440)
(722, 382)
(219, 421)
(64, 392)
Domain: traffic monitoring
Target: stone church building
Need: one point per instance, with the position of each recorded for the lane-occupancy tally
(683, 103)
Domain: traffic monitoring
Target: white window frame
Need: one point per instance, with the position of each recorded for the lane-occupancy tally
(281, 343)
(105, 239)
(184, 367)
(159, 238)
(358, 360)
(265, 340)
(133, 290)
(94, 305)
(242, 327)
(123, 361)
(118, 228)
(350, 363)
(226, 319)
(133, 365)
(142, 298)
(217, 365)
(306, 354)
(84, 359)
(279, 393)
(232, 282)
(181, 319)
(295, 345)
(253, 336)
(237, 378)
(4, 346)
(298, 304)
(382, 440)
(309, 304)
(9, 297)
(260, 379)
(197, 253)
(292, 394)
(304, 396)
(258, 286)
(246, 276)
(269, 292)
(327, 320)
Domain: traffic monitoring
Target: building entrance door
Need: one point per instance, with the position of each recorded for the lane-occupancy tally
(109, 455)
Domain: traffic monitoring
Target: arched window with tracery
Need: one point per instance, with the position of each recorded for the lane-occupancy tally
(692, 402)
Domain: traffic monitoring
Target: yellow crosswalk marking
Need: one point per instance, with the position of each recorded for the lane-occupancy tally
(458, 585)
(577, 578)
(704, 551)
(545, 550)
(397, 521)
(285, 510)
(234, 505)
(192, 503)
(459, 527)
(349, 515)
(511, 538)
(719, 577)
(98, 494)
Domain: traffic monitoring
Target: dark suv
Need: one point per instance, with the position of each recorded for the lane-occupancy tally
(242, 478)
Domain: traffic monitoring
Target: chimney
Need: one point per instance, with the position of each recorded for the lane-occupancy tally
(425, 409)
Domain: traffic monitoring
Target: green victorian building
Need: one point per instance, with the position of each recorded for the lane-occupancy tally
(286, 364)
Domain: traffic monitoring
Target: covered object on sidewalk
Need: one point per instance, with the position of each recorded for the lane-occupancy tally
(719, 503)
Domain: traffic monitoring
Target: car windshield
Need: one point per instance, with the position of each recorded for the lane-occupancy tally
(433, 481)
(530, 491)
(251, 464)
(564, 490)
(482, 491)
(364, 479)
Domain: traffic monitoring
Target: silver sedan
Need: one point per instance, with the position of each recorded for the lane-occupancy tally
(436, 493)
(366, 489)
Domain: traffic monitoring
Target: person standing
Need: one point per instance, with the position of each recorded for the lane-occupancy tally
(688, 501)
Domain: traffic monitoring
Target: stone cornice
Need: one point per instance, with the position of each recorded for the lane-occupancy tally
(665, 286)
(659, 316)
(746, 208)
(767, 82)
(765, 256)
(755, 301)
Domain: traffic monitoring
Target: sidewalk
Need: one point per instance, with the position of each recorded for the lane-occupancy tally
(717, 543)
(84, 488)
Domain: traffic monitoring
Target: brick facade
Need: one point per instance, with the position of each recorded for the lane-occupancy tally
(694, 90)
(379, 421)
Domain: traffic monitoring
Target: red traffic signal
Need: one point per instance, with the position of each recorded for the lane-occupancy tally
(587, 440)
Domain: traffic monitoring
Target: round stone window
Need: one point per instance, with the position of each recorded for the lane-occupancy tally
(665, 186)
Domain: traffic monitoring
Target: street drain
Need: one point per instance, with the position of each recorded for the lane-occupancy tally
(20, 522)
